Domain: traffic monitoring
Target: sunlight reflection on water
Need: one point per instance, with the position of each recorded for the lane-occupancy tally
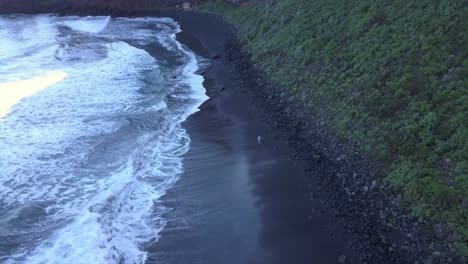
(12, 92)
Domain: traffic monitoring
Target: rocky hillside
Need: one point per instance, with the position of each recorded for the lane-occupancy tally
(389, 76)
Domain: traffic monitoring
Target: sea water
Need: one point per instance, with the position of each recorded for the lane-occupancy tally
(90, 134)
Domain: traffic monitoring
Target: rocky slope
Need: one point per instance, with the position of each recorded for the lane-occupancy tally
(388, 78)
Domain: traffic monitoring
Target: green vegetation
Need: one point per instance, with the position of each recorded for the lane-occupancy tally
(391, 76)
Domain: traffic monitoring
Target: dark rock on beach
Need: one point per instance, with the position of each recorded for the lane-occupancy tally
(464, 203)
(441, 231)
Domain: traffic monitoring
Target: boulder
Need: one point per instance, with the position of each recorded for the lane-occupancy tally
(464, 203)
(441, 231)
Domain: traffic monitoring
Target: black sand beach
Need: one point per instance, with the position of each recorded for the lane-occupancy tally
(240, 201)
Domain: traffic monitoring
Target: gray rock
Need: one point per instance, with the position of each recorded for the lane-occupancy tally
(441, 231)
(464, 203)
(427, 261)
(342, 259)
(269, 3)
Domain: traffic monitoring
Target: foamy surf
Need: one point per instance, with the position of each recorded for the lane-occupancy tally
(85, 159)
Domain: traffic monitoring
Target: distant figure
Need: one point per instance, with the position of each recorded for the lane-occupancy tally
(259, 139)
(186, 6)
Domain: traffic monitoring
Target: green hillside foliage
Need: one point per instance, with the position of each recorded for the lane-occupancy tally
(391, 76)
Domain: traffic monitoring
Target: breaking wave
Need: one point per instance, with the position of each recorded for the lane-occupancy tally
(84, 161)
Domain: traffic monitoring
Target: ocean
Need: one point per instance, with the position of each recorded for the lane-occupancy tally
(90, 134)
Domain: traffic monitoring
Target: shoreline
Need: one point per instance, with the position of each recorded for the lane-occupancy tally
(237, 192)
(343, 181)
(385, 232)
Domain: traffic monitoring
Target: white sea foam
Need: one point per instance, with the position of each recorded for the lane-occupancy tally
(87, 24)
(92, 150)
(22, 36)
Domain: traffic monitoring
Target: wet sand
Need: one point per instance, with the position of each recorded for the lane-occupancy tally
(240, 201)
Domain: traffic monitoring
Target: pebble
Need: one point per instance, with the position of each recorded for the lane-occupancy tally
(440, 230)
